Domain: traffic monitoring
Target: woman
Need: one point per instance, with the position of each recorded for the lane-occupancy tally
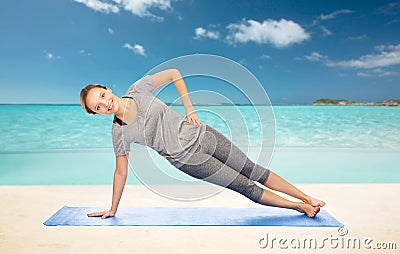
(195, 148)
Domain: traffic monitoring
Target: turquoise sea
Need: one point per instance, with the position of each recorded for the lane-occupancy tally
(61, 144)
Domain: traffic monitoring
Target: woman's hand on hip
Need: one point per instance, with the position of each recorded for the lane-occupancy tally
(192, 116)
(103, 215)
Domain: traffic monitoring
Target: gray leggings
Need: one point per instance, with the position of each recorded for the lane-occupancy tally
(217, 160)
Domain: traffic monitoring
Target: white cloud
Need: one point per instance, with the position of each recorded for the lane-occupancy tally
(377, 73)
(334, 14)
(50, 56)
(203, 33)
(265, 57)
(99, 6)
(363, 74)
(83, 52)
(370, 65)
(138, 49)
(389, 9)
(141, 7)
(387, 47)
(331, 15)
(315, 57)
(388, 55)
(280, 33)
(110, 31)
(326, 31)
(137, 7)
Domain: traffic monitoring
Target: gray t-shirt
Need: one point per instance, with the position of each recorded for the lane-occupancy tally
(157, 126)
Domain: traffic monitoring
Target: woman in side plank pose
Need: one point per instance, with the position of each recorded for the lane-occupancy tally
(194, 148)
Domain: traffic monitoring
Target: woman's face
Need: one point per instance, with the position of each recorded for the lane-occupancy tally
(102, 101)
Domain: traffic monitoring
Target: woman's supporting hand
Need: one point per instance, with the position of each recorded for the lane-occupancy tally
(103, 215)
(192, 116)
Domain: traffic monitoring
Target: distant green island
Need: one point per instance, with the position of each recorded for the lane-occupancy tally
(391, 103)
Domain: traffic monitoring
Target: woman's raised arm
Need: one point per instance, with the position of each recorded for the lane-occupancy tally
(166, 76)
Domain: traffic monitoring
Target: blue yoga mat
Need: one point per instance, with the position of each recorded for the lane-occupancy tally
(196, 216)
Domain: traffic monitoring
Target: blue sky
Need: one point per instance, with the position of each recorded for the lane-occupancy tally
(299, 50)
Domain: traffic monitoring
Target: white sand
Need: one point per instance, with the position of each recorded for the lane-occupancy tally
(367, 210)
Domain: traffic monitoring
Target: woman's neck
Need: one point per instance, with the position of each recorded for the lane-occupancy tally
(123, 104)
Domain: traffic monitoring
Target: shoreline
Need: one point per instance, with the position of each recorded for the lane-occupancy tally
(281, 148)
(95, 167)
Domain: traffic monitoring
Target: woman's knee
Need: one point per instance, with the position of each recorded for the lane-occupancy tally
(247, 188)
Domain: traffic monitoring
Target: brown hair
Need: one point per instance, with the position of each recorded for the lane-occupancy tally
(83, 95)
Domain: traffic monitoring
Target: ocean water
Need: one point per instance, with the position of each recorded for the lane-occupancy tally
(42, 127)
(61, 144)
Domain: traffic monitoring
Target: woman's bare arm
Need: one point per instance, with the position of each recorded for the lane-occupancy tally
(166, 76)
(120, 175)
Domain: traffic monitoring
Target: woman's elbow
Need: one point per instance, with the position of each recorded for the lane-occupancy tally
(121, 171)
(175, 74)
(121, 165)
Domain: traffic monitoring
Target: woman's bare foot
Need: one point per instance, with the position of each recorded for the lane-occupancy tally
(308, 209)
(314, 201)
